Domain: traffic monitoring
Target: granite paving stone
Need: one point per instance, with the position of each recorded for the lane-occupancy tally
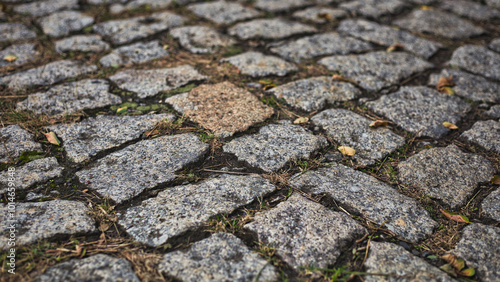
(401, 265)
(186, 207)
(305, 233)
(478, 60)
(17, 140)
(12, 32)
(24, 53)
(490, 207)
(312, 94)
(387, 36)
(369, 197)
(439, 23)
(377, 70)
(221, 257)
(102, 2)
(269, 29)
(200, 39)
(36, 171)
(47, 75)
(275, 145)
(151, 4)
(495, 45)
(421, 110)
(126, 173)
(471, 10)
(43, 220)
(71, 97)
(352, 130)
(446, 173)
(85, 139)
(374, 8)
(82, 43)
(280, 5)
(486, 134)
(470, 86)
(493, 3)
(256, 64)
(136, 53)
(223, 108)
(98, 267)
(493, 112)
(309, 47)
(320, 14)
(127, 30)
(63, 23)
(148, 83)
(223, 12)
(42, 8)
(479, 246)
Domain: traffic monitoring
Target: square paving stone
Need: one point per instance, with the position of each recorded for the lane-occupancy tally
(36, 171)
(137, 53)
(17, 140)
(71, 97)
(374, 8)
(486, 134)
(320, 14)
(280, 5)
(14, 32)
(223, 12)
(471, 10)
(314, 93)
(478, 60)
(42, 8)
(186, 207)
(305, 233)
(439, 23)
(269, 29)
(256, 64)
(81, 43)
(275, 145)
(446, 173)
(201, 39)
(98, 267)
(24, 53)
(369, 197)
(85, 139)
(421, 110)
(148, 83)
(490, 207)
(44, 220)
(222, 257)
(319, 45)
(387, 36)
(63, 23)
(126, 173)
(223, 108)
(47, 75)
(353, 130)
(377, 70)
(479, 246)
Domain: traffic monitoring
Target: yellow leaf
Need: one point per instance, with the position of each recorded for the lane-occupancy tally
(444, 85)
(455, 216)
(456, 262)
(449, 125)
(395, 47)
(268, 86)
(121, 110)
(448, 90)
(10, 58)
(495, 179)
(325, 16)
(426, 8)
(379, 123)
(347, 151)
(448, 269)
(165, 47)
(301, 120)
(469, 272)
(52, 138)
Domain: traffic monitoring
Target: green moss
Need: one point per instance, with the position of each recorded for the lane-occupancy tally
(31, 156)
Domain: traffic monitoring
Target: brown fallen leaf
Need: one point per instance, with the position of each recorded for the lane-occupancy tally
(457, 263)
(469, 272)
(10, 58)
(52, 138)
(455, 216)
(301, 120)
(348, 151)
(325, 16)
(450, 125)
(495, 179)
(151, 132)
(339, 78)
(426, 8)
(444, 85)
(395, 47)
(85, 190)
(379, 123)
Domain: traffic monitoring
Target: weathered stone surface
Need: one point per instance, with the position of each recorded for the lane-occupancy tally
(439, 23)
(387, 36)
(98, 267)
(15, 32)
(152, 4)
(376, 70)
(101, 2)
(223, 12)
(353, 130)
(280, 5)
(319, 45)
(149, 82)
(478, 60)
(401, 265)
(369, 197)
(486, 134)
(82, 43)
(313, 94)
(124, 31)
(17, 140)
(24, 53)
(493, 3)
(495, 45)
(63, 23)
(223, 108)
(257, 64)
(275, 145)
(479, 247)
(47, 74)
(86, 139)
(137, 53)
(446, 173)
(33, 172)
(42, 8)
(200, 39)
(421, 110)
(71, 97)
(490, 206)
(187, 207)
(126, 173)
(222, 257)
(305, 233)
(493, 112)
(470, 10)
(320, 14)
(36, 221)
(269, 29)
(470, 86)
(374, 8)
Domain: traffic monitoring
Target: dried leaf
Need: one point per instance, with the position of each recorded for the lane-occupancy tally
(449, 125)
(52, 138)
(448, 90)
(426, 8)
(85, 190)
(347, 151)
(165, 47)
(103, 226)
(10, 58)
(444, 85)
(469, 272)
(395, 47)
(379, 123)
(456, 262)
(455, 216)
(268, 86)
(325, 16)
(301, 120)
(339, 78)
(448, 269)
(495, 179)
(121, 110)
(151, 132)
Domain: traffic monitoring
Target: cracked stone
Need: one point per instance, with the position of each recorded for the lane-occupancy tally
(14, 32)
(186, 207)
(63, 23)
(256, 64)
(200, 39)
(269, 29)
(222, 12)
(126, 173)
(42, 8)
(490, 206)
(82, 43)
(24, 53)
(36, 171)
(223, 108)
(478, 60)
(280, 5)
(17, 140)
(320, 14)
(495, 45)
(471, 10)
(486, 134)
(137, 53)
(374, 8)
(494, 111)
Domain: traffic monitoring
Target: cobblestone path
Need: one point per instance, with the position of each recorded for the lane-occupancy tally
(236, 141)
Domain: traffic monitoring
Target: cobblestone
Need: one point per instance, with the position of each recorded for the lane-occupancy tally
(280, 6)
(16, 141)
(15, 32)
(200, 39)
(486, 134)
(320, 14)
(470, 10)
(63, 23)
(374, 8)
(82, 43)
(223, 12)
(478, 60)
(493, 112)
(495, 45)
(269, 29)
(490, 205)
(257, 64)
(42, 8)
(137, 53)
(24, 53)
